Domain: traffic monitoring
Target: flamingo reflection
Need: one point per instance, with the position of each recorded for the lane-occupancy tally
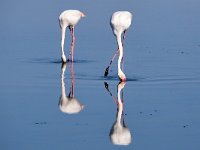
(68, 103)
(119, 133)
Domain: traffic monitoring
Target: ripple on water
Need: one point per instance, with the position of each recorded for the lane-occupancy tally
(168, 79)
(56, 61)
(171, 79)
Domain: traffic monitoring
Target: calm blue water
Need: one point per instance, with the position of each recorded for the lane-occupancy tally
(161, 96)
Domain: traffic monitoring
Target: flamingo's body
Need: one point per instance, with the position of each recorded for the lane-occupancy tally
(120, 22)
(69, 104)
(69, 18)
(120, 133)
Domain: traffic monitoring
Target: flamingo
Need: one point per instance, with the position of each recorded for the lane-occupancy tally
(69, 104)
(69, 18)
(120, 134)
(120, 22)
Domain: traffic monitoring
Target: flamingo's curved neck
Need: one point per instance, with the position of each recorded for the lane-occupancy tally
(73, 78)
(63, 29)
(119, 42)
(63, 83)
(120, 107)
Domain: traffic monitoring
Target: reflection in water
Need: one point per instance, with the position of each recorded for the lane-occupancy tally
(69, 104)
(119, 133)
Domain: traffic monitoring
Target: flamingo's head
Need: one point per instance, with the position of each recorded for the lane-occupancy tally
(64, 60)
(121, 76)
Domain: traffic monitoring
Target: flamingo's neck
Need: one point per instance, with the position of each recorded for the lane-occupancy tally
(63, 82)
(63, 29)
(120, 107)
(120, 72)
(119, 42)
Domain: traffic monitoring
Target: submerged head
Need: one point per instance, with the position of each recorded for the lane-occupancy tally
(64, 60)
(121, 76)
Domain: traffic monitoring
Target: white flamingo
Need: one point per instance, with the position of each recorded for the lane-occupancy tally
(120, 134)
(69, 104)
(69, 18)
(120, 22)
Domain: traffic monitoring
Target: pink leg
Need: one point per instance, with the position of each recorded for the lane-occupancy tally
(71, 67)
(73, 79)
(72, 87)
(71, 54)
(124, 123)
(124, 36)
(73, 42)
(107, 69)
(107, 88)
(114, 57)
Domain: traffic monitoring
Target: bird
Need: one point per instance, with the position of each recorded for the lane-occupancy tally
(120, 22)
(120, 134)
(68, 104)
(69, 18)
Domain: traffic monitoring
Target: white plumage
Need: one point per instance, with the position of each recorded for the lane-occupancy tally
(69, 18)
(120, 22)
(120, 134)
(68, 104)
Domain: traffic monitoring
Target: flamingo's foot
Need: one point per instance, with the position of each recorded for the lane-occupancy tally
(106, 72)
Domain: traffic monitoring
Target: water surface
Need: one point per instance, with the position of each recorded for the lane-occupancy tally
(160, 99)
